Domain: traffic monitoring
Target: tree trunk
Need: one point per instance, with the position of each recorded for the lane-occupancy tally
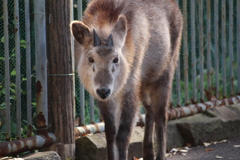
(60, 77)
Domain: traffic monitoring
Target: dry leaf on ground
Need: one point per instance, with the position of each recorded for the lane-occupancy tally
(222, 141)
(134, 158)
(206, 144)
(219, 157)
(236, 146)
(183, 150)
(208, 149)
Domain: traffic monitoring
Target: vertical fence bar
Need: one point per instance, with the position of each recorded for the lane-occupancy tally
(223, 44)
(230, 47)
(193, 49)
(238, 45)
(18, 61)
(209, 64)
(41, 64)
(91, 109)
(82, 104)
(91, 99)
(28, 65)
(216, 43)
(185, 50)
(7, 75)
(201, 51)
(178, 79)
(73, 59)
(79, 8)
(82, 92)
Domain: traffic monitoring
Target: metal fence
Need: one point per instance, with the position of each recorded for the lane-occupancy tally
(21, 109)
(209, 65)
(208, 74)
(209, 60)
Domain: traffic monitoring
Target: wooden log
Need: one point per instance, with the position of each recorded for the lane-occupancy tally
(60, 76)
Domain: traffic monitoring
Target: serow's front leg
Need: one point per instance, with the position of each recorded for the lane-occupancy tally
(107, 112)
(110, 132)
(126, 125)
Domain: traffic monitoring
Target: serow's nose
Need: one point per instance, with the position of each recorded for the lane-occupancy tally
(103, 92)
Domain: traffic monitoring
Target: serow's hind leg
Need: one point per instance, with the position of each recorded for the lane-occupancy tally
(148, 153)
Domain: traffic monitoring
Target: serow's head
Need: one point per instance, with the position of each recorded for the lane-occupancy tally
(100, 59)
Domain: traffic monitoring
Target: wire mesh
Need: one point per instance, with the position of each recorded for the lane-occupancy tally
(13, 71)
(214, 44)
(89, 117)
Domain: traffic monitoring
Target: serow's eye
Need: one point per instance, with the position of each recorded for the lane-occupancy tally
(115, 60)
(90, 60)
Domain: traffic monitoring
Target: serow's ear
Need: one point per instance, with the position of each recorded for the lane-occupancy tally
(120, 28)
(80, 31)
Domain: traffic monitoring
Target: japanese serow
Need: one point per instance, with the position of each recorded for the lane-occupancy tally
(126, 53)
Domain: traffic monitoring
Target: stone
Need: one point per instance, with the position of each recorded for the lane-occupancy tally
(230, 116)
(43, 156)
(224, 113)
(135, 147)
(235, 107)
(200, 128)
(174, 137)
(93, 147)
(214, 124)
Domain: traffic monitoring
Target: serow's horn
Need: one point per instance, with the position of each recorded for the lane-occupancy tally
(110, 41)
(97, 41)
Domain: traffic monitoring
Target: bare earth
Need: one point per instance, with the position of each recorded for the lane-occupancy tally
(226, 150)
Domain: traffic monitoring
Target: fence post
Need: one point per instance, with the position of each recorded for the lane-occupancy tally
(60, 76)
(41, 66)
(28, 65)
(216, 46)
(223, 46)
(230, 48)
(193, 50)
(209, 58)
(7, 74)
(238, 45)
(185, 50)
(201, 49)
(18, 61)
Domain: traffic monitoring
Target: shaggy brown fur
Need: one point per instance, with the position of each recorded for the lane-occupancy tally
(127, 52)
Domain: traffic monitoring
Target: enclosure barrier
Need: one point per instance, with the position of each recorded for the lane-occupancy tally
(209, 64)
(174, 113)
(192, 109)
(43, 138)
(26, 144)
(81, 87)
(7, 75)
(208, 69)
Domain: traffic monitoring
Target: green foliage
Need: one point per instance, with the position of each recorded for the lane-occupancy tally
(87, 108)
(13, 95)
